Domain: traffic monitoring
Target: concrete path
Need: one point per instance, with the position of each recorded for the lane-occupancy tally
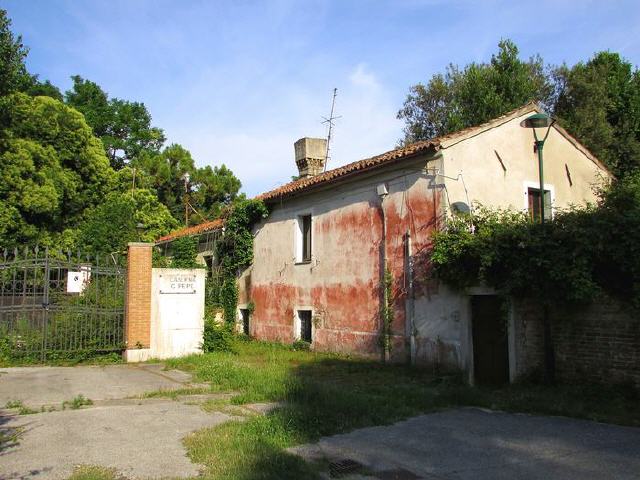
(140, 438)
(37, 386)
(476, 444)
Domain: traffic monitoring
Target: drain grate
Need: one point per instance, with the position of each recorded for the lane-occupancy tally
(344, 467)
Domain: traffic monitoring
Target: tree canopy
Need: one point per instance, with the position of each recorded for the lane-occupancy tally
(461, 98)
(53, 168)
(124, 127)
(83, 169)
(598, 101)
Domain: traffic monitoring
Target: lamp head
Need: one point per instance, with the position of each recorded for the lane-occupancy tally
(537, 120)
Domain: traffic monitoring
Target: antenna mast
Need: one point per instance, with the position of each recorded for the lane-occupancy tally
(330, 121)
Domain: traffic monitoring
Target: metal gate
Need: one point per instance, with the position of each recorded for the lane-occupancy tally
(56, 306)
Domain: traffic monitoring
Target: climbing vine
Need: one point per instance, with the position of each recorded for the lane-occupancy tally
(386, 312)
(579, 254)
(235, 249)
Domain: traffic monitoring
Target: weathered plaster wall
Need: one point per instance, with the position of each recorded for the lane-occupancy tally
(443, 317)
(568, 171)
(341, 284)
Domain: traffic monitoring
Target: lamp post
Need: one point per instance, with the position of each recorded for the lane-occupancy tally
(542, 120)
(539, 120)
(186, 177)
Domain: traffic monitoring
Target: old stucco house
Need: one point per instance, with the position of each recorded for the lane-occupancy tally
(319, 257)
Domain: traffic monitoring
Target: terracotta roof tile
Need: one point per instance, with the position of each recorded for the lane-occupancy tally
(434, 145)
(194, 230)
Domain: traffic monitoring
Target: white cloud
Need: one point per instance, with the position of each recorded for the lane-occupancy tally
(260, 152)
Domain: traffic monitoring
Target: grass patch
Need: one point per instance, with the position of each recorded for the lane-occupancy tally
(93, 472)
(76, 403)
(174, 394)
(325, 394)
(70, 360)
(21, 408)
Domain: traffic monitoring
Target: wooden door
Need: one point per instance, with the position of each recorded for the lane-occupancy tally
(490, 346)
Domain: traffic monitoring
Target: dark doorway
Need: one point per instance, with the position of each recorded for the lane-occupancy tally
(490, 346)
(244, 313)
(305, 325)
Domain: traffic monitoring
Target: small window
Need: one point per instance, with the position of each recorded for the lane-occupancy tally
(534, 203)
(305, 325)
(244, 316)
(304, 239)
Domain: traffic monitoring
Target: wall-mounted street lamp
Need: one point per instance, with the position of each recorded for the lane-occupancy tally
(535, 121)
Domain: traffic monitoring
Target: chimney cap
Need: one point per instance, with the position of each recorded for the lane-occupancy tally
(310, 156)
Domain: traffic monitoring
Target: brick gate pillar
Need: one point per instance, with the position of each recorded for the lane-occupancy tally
(138, 302)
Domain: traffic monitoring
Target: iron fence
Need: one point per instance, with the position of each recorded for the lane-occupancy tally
(57, 305)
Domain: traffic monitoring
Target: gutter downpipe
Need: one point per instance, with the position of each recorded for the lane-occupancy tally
(383, 267)
(410, 330)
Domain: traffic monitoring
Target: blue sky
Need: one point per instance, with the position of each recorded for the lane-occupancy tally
(237, 82)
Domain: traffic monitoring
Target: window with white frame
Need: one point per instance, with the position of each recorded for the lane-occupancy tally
(532, 201)
(303, 239)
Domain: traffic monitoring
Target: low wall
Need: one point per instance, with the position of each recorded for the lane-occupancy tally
(598, 342)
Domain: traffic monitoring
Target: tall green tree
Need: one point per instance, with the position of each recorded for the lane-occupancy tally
(177, 180)
(599, 102)
(125, 216)
(463, 97)
(124, 127)
(13, 71)
(52, 169)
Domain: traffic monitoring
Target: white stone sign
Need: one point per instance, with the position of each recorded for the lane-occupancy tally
(177, 283)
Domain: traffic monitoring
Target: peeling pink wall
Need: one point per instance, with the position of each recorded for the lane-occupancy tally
(342, 283)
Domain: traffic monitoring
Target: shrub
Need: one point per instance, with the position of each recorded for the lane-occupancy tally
(217, 337)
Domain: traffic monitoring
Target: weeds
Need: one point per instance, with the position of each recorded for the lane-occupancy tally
(78, 402)
(324, 394)
(20, 407)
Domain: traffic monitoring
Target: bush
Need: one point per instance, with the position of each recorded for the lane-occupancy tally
(217, 337)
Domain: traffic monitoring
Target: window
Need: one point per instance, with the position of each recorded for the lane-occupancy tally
(244, 316)
(533, 195)
(304, 239)
(305, 325)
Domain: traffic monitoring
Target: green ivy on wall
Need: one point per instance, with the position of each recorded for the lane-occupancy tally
(579, 254)
(235, 249)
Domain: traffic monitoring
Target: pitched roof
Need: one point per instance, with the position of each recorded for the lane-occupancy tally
(211, 226)
(433, 145)
(399, 154)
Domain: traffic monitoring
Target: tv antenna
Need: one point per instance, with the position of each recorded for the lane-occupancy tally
(330, 122)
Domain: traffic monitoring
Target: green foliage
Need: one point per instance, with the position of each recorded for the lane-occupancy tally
(300, 345)
(13, 72)
(77, 402)
(235, 249)
(217, 337)
(475, 94)
(122, 217)
(124, 127)
(387, 311)
(573, 258)
(209, 189)
(52, 170)
(184, 252)
(599, 102)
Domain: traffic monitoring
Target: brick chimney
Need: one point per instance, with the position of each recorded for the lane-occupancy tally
(310, 156)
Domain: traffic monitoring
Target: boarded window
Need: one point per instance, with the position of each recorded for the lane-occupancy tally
(305, 325)
(534, 203)
(305, 230)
